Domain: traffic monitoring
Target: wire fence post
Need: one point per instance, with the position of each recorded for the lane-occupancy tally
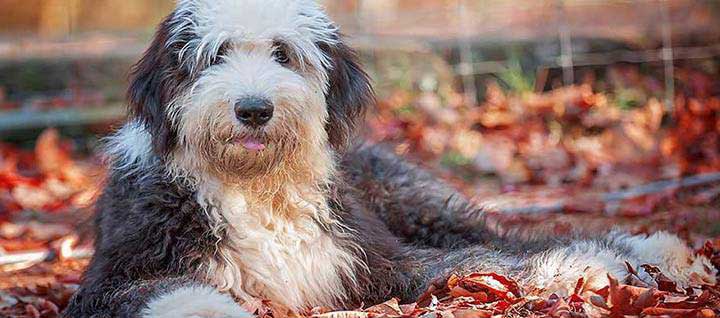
(668, 56)
(566, 47)
(358, 16)
(466, 67)
(72, 9)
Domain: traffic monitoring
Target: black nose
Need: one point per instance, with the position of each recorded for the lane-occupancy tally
(254, 111)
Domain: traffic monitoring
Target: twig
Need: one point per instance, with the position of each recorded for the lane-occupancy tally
(660, 186)
(23, 257)
(62, 249)
(561, 204)
(556, 207)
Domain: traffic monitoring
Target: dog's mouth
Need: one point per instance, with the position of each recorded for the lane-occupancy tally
(251, 143)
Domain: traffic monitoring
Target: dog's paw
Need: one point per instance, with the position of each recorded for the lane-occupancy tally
(674, 258)
(194, 302)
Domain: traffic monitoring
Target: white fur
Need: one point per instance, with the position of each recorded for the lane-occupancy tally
(249, 70)
(673, 257)
(130, 147)
(558, 270)
(194, 302)
(301, 23)
(249, 73)
(291, 260)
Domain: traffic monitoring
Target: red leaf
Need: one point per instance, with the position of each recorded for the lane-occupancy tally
(488, 287)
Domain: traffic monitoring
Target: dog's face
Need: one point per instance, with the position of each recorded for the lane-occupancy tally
(241, 86)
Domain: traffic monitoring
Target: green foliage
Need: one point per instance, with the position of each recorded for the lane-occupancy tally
(453, 159)
(629, 98)
(515, 79)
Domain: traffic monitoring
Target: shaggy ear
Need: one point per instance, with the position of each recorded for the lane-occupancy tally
(154, 82)
(349, 94)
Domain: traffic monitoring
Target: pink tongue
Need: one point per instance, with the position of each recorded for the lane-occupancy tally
(252, 144)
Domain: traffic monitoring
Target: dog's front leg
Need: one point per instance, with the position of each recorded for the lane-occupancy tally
(193, 302)
(162, 298)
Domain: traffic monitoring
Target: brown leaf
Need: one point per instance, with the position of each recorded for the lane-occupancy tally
(629, 300)
(657, 311)
(51, 157)
(390, 307)
(472, 313)
(664, 283)
(408, 309)
(343, 314)
(674, 299)
(707, 313)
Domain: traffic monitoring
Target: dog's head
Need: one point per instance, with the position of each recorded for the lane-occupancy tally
(241, 86)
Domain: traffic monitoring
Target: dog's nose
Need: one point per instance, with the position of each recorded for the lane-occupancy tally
(254, 111)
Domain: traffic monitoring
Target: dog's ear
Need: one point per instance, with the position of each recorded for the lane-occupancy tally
(349, 94)
(154, 82)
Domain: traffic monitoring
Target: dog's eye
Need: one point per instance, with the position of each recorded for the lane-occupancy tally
(280, 56)
(222, 52)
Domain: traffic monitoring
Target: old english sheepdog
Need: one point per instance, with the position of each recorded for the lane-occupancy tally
(237, 177)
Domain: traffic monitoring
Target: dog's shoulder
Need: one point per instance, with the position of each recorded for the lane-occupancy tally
(148, 222)
(147, 191)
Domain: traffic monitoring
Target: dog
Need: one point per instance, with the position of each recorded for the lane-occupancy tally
(239, 176)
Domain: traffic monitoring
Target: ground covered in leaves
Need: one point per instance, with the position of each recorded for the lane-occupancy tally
(557, 162)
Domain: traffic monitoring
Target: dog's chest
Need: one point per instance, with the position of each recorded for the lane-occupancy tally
(284, 256)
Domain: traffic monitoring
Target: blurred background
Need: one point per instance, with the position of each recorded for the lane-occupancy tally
(550, 113)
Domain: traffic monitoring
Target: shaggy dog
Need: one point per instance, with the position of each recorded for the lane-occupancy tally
(236, 178)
